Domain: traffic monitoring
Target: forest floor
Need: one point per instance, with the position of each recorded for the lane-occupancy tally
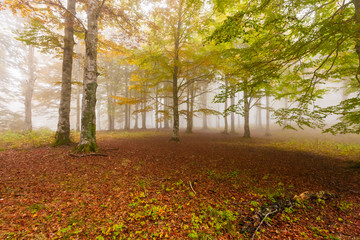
(208, 186)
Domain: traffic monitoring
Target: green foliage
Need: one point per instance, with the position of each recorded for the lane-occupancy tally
(303, 44)
(36, 138)
(301, 116)
(348, 112)
(38, 34)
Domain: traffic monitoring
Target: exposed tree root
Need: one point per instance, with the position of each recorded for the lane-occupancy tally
(87, 154)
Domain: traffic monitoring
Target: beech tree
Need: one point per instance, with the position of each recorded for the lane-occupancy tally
(88, 119)
(29, 89)
(62, 136)
(317, 39)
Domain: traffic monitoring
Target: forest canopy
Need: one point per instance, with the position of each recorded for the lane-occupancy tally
(181, 61)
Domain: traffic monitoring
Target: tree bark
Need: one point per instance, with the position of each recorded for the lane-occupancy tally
(166, 114)
(258, 114)
(88, 118)
(204, 105)
(188, 111)
(246, 115)
(175, 76)
(29, 89)
(226, 127)
(78, 109)
(127, 107)
(136, 124)
(110, 108)
(157, 107)
(267, 131)
(143, 113)
(232, 125)
(62, 136)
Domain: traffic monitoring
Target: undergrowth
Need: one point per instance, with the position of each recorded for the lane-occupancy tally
(15, 140)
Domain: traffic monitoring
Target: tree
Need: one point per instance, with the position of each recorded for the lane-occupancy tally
(62, 136)
(317, 38)
(29, 89)
(88, 119)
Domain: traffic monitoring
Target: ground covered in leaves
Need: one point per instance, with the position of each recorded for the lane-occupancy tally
(208, 186)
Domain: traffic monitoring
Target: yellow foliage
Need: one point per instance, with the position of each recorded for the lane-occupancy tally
(125, 100)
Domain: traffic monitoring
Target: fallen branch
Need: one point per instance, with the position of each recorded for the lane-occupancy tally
(254, 222)
(192, 187)
(262, 221)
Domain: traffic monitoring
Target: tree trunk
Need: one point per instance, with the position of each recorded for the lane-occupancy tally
(110, 108)
(267, 132)
(192, 100)
(226, 106)
(127, 107)
(136, 125)
(246, 115)
(88, 119)
(29, 89)
(188, 111)
(204, 105)
(157, 107)
(98, 111)
(232, 127)
(175, 76)
(258, 114)
(78, 109)
(62, 136)
(166, 118)
(143, 113)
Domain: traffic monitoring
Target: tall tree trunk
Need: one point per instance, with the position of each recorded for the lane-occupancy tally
(136, 125)
(110, 108)
(62, 136)
(258, 114)
(267, 132)
(166, 114)
(218, 118)
(175, 76)
(188, 111)
(204, 105)
(192, 100)
(246, 115)
(98, 111)
(78, 108)
(127, 106)
(143, 113)
(88, 118)
(232, 125)
(226, 127)
(239, 116)
(29, 89)
(157, 107)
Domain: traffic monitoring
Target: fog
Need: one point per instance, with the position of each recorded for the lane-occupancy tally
(123, 76)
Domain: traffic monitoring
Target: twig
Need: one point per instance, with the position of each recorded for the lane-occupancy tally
(192, 187)
(262, 221)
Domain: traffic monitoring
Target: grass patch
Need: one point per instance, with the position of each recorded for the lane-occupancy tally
(323, 147)
(128, 134)
(16, 140)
